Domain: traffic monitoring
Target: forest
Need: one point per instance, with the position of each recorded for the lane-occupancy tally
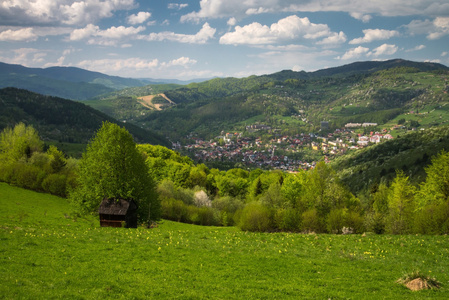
(175, 188)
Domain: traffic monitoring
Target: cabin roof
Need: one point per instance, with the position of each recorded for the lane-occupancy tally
(116, 206)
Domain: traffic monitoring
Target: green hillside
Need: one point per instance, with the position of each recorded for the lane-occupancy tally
(62, 120)
(383, 97)
(49, 253)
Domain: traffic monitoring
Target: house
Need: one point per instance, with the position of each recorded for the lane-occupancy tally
(116, 212)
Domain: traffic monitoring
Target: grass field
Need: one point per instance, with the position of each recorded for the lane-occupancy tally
(47, 254)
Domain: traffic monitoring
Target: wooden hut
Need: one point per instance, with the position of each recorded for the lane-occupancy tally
(118, 212)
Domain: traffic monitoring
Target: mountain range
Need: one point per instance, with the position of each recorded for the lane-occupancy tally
(70, 82)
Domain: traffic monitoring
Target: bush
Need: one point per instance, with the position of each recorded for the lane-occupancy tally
(175, 210)
(311, 222)
(355, 221)
(433, 219)
(336, 220)
(255, 217)
(29, 176)
(375, 222)
(287, 220)
(228, 207)
(55, 184)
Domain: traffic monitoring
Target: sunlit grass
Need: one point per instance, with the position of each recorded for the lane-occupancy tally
(45, 254)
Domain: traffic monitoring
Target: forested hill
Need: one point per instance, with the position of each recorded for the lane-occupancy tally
(65, 82)
(296, 102)
(59, 119)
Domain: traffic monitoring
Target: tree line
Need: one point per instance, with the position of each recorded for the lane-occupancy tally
(168, 185)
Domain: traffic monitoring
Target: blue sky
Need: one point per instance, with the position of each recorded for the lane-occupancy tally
(206, 38)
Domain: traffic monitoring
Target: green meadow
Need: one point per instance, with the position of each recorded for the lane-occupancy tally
(47, 253)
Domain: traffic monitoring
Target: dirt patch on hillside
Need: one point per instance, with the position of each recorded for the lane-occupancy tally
(147, 101)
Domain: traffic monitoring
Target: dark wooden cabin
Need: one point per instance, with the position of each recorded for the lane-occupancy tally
(118, 212)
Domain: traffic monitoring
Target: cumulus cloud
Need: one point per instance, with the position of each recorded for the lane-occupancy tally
(360, 10)
(354, 53)
(182, 61)
(384, 49)
(201, 37)
(133, 66)
(333, 39)
(109, 37)
(19, 35)
(361, 17)
(177, 6)
(285, 29)
(435, 29)
(139, 18)
(417, 48)
(109, 65)
(68, 12)
(375, 35)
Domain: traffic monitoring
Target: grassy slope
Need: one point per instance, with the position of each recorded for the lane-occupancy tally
(45, 254)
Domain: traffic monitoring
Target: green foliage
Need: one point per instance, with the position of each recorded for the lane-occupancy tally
(312, 222)
(18, 143)
(255, 217)
(435, 189)
(401, 205)
(59, 119)
(112, 167)
(55, 184)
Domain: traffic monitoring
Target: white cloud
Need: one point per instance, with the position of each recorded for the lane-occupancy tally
(182, 61)
(285, 29)
(435, 29)
(201, 37)
(69, 12)
(361, 17)
(139, 18)
(333, 39)
(138, 67)
(417, 48)
(177, 6)
(358, 9)
(441, 28)
(384, 49)
(232, 21)
(108, 37)
(375, 35)
(109, 65)
(19, 35)
(354, 53)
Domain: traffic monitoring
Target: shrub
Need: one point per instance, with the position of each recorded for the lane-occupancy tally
(311, 222)
(174, 210)
(355, 221)
(55, 184)
(255, 217)
(287, 220)
(336, 220)
(433, 219)
(375, 222)
(29, 176)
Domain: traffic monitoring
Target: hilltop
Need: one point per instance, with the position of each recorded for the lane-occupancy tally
(59, 119)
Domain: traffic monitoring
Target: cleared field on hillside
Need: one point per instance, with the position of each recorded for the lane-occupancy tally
(47, 253)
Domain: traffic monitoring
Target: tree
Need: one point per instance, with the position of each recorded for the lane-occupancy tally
(401, 205)
(113, 167)
(435, 190)
(18, 143)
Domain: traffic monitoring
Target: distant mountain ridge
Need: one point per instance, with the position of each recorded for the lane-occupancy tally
(71, 82)
(358, 68)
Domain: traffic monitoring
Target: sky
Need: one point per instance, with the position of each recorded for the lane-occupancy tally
(191, 39)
